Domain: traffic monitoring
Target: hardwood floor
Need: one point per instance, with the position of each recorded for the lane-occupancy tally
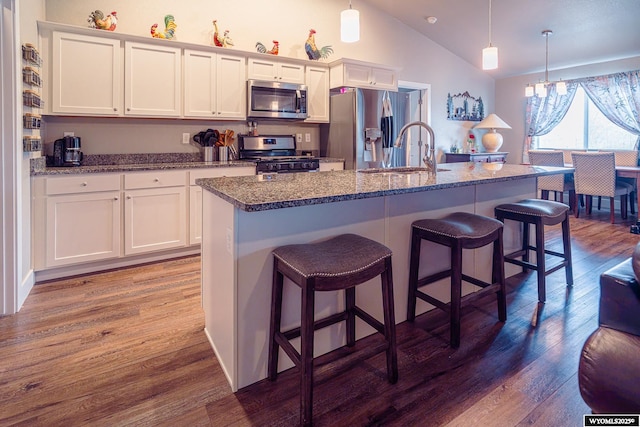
(127, 347)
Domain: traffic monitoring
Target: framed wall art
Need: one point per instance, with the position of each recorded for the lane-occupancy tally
(464, 107)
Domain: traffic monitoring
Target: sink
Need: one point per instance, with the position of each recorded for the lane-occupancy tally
(400, 169)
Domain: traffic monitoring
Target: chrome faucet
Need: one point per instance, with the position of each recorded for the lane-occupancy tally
(429, 158)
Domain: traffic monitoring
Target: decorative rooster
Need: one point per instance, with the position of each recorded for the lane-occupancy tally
(97, 20)
(312, 50)
(263, 49)
(221, 41)
(169, 29)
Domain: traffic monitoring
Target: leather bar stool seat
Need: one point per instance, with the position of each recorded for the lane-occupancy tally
(340, 263)
(539, 213)
(458, 231)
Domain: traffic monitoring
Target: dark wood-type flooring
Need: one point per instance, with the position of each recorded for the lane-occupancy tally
(127, 347)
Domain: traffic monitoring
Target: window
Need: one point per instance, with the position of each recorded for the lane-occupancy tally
(585, 127)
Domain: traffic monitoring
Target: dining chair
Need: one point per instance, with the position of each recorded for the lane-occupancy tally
(556, 183)
(595, 175)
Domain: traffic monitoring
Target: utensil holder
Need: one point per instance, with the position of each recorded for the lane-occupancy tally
(207, 154)
(223, 154)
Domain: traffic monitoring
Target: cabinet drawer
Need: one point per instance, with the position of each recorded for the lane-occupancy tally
(82, 184)
(224, 171)
(157, 179)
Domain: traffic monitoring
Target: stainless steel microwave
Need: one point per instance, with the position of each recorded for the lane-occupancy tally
(276, 100)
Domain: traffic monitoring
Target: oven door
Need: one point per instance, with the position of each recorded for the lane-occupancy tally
(276, 100)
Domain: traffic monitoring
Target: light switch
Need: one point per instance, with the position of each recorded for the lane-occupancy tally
(298, 138)
(307, 137)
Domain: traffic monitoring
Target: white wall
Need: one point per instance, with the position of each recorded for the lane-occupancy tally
(511, 102)
(384, 40)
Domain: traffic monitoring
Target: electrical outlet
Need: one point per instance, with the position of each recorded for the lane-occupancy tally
(307, 137)
(298, 137)
(68, 134)
(185, 138)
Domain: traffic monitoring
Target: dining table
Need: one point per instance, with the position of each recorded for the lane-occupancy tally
(630, 172)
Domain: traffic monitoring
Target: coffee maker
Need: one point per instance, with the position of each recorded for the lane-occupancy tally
(64, 152)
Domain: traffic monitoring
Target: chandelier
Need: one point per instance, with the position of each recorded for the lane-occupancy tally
(540, 88)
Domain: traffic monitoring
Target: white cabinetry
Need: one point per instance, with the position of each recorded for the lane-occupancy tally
(214, 85)
(81, 219)
(195, 195)
(264, 69)
(331, 166)
(155, 211)
(152, 80)
(86, 75)
(317, 80)
(363, 75)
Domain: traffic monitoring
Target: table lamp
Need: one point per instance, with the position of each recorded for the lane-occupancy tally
(492, 140)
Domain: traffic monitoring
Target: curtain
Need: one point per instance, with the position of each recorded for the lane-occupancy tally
(543, 114)
(617, 96)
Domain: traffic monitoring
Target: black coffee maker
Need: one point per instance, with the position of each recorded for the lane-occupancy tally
(64, 152)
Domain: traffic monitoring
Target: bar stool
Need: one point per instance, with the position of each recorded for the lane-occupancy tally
(458, 231)
(340, 263)
(539, 213)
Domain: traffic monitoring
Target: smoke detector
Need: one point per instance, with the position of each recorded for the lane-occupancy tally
(431, 19)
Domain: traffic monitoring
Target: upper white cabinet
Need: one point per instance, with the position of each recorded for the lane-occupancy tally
(363, 75)
(317, 80)
(270, 70)
(152, 80)
(214, 85)
(86, 75)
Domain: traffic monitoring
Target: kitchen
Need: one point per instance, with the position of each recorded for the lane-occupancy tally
(121, 136)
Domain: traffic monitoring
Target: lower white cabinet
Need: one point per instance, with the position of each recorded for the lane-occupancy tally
(76, 219)
(155, 211)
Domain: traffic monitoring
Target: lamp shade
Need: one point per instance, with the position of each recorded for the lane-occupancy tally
(492, 140)
(490, 58)
(349, 25)
(492, 122)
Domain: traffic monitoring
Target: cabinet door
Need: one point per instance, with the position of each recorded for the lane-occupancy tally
(154, 219)
(231, 87)
(86, 75)
(382, 78)
(318, 94)
(153, 80)
(82, 227)
(357, 75)
(195, 215)
(262, 69)
(199, 84)
(291, 73)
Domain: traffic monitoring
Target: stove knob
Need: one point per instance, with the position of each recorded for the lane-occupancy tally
(278, 166)
(292, 165)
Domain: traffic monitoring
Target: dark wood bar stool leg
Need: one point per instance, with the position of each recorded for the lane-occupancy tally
(416, 242)
(456, 294)
(306, 354)
(540, 261)
(566, 245)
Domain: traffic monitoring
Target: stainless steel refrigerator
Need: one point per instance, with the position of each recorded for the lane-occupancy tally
(360, 129)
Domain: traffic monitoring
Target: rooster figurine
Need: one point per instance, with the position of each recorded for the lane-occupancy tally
(97, 20)
(312, 50)
(218, 40)
(169, 29)
(263, 49)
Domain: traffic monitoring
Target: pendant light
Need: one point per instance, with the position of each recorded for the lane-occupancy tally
(490, 53)
(349, 25)
(541, 88)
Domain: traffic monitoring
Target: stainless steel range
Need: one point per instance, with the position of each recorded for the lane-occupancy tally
(275, 153)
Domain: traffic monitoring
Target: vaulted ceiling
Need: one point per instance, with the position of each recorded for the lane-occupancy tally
(584, 31)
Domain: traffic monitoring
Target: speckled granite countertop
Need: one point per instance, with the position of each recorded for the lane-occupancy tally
(259, 193)
(104, 163)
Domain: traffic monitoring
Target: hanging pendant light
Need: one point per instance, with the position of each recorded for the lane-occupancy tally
(349, 25)
(541, 88)
(490, 53)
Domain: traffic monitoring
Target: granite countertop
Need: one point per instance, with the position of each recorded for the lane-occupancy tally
(275, 191)
(104, 163)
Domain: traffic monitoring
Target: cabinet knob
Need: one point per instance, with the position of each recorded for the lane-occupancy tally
(156, 180)
(84, 184)
(129, 197)
(115, 198)
(115, 109)
(128, 109)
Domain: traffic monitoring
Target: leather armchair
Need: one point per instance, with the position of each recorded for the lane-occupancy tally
(609, 370)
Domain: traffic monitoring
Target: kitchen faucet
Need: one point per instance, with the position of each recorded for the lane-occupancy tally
(429, 158)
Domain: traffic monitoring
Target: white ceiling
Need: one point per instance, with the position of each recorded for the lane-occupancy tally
(584, 31)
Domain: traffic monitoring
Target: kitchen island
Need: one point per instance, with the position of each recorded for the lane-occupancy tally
(245, 218)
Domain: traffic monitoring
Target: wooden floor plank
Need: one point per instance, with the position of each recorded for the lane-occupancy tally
(127, 347)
